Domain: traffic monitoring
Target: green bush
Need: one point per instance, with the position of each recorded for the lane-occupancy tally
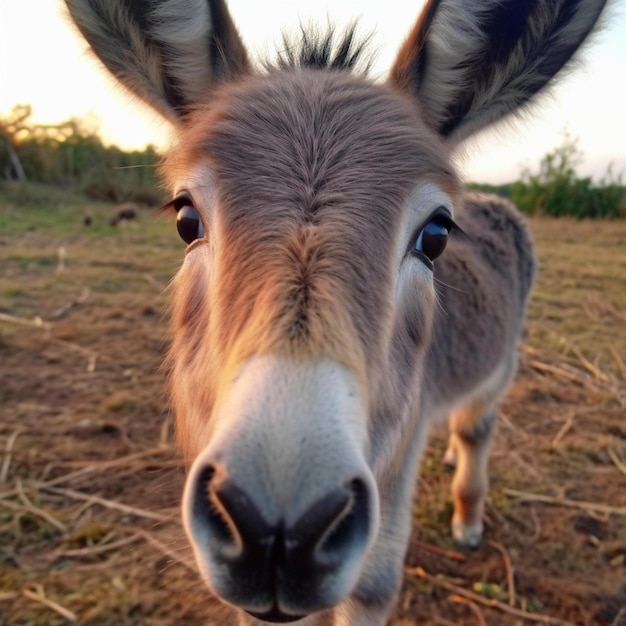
(71, 154)
(556, 189)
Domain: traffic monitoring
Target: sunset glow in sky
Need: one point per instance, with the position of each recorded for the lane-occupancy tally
(43, 62)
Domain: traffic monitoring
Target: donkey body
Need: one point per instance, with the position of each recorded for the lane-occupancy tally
(319, 327)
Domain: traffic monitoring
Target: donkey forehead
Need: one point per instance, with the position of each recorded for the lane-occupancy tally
(303, 140)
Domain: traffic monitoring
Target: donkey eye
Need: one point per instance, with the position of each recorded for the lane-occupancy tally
(432, 239)
(189, 224)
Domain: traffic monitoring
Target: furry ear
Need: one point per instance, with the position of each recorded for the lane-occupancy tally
(169, 52)
(470, 63)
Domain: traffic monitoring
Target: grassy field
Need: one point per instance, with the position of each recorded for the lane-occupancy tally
(90, 479)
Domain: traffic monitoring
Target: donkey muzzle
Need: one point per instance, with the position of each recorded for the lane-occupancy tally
(280, 507)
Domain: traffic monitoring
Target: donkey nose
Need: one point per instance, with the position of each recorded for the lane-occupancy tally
(311, 541)
(317, 539)
(230, 519)
(269, 560)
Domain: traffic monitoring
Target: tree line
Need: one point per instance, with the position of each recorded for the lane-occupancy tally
(72, 155)
(556, 189)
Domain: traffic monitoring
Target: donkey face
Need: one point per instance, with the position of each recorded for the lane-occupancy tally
(315, 194)
(308, 355)
(308, 193)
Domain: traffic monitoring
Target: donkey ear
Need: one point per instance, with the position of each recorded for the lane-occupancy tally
(471, 63)
(169, 53)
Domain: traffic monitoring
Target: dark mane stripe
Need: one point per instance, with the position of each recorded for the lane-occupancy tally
(328, 49)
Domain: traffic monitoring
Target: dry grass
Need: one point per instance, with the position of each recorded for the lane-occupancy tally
(90, 480)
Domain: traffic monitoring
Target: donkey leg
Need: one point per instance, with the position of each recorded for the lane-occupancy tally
(471, 429)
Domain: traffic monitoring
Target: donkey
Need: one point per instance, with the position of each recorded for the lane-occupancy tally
(340, 291)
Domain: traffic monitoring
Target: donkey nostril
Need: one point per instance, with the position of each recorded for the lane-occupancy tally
(351, 529)
(319, 519)
(231, 532)
(236, 505)
(201, 495)
(207, 511)
(335, 527)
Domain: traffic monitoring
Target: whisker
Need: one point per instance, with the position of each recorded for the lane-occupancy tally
(138, 166)
(448, 286)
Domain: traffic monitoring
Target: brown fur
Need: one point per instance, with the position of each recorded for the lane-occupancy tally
(312, 345)
(406, 69)
(304, 214)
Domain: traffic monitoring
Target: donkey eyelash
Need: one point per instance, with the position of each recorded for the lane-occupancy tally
(167, 209)
(442, 214)
(454, 230)
(430, 238)
(175, 205)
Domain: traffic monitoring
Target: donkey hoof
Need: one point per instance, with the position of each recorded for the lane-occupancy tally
(467, 535)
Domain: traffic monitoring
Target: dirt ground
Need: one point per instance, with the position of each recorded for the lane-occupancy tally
(90, 480)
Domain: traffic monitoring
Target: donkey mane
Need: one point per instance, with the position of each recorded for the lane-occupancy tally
(320, 48)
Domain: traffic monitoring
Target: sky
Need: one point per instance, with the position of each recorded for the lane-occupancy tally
(43, 62)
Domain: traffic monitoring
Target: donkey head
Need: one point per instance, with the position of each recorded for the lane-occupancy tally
(314, 203)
